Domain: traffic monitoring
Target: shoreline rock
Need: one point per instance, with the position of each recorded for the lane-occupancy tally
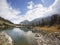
(47, 39)
(5, 39)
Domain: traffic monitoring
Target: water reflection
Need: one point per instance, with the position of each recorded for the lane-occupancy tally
(21, 37)
(27, 37)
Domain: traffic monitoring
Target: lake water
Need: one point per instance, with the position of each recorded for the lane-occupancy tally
(21, 36)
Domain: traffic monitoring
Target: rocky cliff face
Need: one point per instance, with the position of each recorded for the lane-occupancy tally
(5, 39)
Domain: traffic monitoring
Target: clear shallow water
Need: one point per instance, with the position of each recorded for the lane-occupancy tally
(21, 37)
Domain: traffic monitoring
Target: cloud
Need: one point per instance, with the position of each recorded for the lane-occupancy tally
(38, 11)
(34, 11)
(56, 7)
(30, 5)
(7, 12)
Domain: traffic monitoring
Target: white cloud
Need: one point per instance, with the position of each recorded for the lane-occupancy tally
(30, 5)
(7, 11)
(34, 11)
(56, 7)
(38, 11)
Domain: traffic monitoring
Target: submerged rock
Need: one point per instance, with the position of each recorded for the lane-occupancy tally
(5, 39)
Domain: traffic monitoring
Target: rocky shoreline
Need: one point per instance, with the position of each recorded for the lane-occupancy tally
(47, 39)
(41, 38)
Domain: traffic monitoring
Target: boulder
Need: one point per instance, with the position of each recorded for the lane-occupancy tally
(5, 39)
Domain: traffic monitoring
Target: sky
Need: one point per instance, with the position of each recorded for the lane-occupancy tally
(20, 10)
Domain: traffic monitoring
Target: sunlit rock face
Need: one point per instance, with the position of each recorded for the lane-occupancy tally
(5, 39)
(47, 39)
